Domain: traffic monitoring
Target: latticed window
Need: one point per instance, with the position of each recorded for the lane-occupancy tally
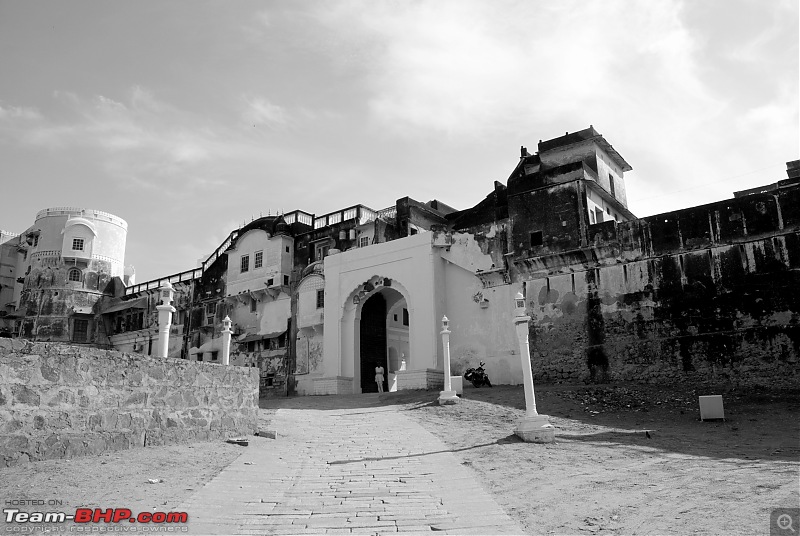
(259, 259)
(320, 298)
(80, 330)
(74, 275)
(363, 241)
(77, 244)
(245, 263)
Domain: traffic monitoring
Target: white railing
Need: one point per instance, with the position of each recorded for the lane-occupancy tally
(76, 211)
(105, 258)
(388, 213)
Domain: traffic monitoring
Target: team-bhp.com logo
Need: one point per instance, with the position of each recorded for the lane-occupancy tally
(97, 515)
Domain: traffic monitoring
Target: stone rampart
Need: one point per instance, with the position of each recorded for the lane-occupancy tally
(61, 401)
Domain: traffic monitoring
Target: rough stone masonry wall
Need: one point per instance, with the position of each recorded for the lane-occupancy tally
(61, 401)
(708, 293)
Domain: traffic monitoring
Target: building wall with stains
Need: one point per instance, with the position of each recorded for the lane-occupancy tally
(74, 255)
(13, 253)
(709, 291)
(310, 330)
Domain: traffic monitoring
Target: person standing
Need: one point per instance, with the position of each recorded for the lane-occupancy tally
(379, 378)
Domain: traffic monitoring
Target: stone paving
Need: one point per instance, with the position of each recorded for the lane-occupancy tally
(345, 465)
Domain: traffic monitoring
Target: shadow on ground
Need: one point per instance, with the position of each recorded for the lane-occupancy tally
(759, 425)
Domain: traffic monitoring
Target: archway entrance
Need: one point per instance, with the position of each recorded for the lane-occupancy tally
(373, 342)
(382, 337)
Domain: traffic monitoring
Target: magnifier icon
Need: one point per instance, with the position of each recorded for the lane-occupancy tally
(785, 522)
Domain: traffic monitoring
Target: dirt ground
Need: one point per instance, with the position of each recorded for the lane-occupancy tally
(603, 475)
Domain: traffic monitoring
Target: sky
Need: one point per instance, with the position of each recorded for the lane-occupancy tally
(190, 118)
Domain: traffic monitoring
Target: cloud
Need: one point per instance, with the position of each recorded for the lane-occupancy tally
(140, 140)
(259, 111)
(11, 114)
(462, 66)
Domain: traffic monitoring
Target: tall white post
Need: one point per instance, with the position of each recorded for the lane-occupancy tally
(448, 396)
(165, 311)
(226, 340)
(532, 427)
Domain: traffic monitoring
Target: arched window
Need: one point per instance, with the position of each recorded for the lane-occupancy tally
(74, 274)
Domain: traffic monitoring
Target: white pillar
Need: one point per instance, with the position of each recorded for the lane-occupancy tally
(226, 340)
(532, 427)
(165, 311)
(448, 396)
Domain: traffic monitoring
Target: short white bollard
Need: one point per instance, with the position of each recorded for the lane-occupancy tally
(448, 396)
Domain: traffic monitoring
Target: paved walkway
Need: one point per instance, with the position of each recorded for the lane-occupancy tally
(345, 465)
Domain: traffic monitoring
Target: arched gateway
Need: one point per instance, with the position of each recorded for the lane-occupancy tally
(382, 305)
(381, 328)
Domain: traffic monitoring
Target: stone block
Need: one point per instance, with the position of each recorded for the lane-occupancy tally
(22, 394)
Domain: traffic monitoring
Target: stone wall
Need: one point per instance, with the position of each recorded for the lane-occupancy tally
(61, 401)
(706, 293)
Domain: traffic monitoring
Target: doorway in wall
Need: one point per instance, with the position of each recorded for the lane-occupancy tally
(373, 342)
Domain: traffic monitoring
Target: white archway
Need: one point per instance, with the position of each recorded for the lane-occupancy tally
(350, 323)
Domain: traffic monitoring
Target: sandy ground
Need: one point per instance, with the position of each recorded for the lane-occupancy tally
(603, 475)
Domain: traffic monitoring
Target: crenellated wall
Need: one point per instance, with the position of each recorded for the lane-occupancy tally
(61, 401)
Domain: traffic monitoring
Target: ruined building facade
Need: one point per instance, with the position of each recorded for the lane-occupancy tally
(61, 268)
(318, 301)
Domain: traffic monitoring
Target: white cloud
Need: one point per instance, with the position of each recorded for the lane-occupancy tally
(259, 111)
(17, 113)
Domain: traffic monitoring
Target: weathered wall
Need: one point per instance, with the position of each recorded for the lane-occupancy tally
(706, 292)
(59, 401)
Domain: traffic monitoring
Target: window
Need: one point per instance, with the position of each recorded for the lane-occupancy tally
(251, 346)
(611, 184)
(608, 211)
(363, 241)
(211, 312)
(253, 306)
(80, 330)
(413, 232)
(259, 260)
(405, 317)
(282, 340)
(286, 280)
(598, 215)
(199, 357)
(245, 263)
(74, 274)
(320, 298)
(591, 216)
(537, 238)
(214, 355)
(287, 249)
(322, 251)
(36, 241)
(270, 282)
(77, 244)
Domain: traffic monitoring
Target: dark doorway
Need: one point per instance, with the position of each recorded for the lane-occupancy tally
(373, 342)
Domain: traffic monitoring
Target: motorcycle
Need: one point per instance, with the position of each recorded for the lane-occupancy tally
(477, 376)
